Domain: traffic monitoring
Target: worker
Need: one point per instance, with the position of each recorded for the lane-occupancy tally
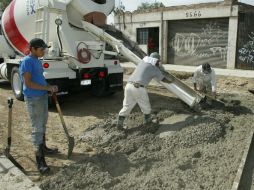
(204, 80)
(35, 90)
(135, 90)
(150, 45)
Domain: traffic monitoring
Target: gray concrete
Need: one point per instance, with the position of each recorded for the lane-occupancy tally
(11, 178)
(172, 125)
(191, 69)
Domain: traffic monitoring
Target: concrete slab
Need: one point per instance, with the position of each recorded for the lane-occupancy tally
(191, 69)
(172, 125)
(11, 178)
(1, 107)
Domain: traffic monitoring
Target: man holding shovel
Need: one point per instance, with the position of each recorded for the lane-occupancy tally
(35, 90)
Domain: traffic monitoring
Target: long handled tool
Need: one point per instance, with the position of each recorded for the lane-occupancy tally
(71, 141)
(214, 100)
(9, 137)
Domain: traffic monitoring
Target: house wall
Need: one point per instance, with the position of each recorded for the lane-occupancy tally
(236, 38)
(129, 25)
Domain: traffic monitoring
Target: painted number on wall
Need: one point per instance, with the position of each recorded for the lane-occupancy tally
(193, 14)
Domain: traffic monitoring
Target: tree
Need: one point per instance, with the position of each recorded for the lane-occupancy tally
(120, 8)
(4, 4)
(146, 5)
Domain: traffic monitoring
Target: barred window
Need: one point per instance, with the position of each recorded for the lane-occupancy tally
(142, 35)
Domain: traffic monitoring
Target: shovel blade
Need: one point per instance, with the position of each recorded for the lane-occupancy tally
(71, 144)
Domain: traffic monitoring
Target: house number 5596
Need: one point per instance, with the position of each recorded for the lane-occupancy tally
(193, 14)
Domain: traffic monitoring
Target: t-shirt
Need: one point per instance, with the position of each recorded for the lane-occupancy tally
(201, 77)
(144, 73)
(34, 66)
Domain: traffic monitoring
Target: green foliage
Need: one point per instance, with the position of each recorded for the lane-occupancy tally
(146, 5)
(120, 8)
(4, 4)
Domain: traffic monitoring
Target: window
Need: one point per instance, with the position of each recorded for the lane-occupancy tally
(142, 35)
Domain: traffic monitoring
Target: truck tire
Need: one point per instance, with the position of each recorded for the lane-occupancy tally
(16, 84)
(100, 89)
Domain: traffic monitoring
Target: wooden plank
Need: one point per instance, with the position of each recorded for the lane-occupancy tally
(242, 165)
(12, 178)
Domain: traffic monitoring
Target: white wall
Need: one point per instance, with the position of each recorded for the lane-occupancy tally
(154, 19)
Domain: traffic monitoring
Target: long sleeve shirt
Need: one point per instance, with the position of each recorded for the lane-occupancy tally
(207, 79)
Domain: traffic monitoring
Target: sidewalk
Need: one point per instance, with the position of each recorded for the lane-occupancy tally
(12, 178)
(191, 69)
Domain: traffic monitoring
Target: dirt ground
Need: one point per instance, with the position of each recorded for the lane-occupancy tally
(187, 150)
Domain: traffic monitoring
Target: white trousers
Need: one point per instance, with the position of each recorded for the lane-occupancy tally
(205, 87)
(133, 96)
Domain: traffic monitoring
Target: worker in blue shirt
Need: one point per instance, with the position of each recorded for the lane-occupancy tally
(35, 90)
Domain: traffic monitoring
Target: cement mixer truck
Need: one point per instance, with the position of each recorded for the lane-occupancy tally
(76, 58)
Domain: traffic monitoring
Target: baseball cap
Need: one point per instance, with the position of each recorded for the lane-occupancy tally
(155, 55)
(206, 67)
(38, 43)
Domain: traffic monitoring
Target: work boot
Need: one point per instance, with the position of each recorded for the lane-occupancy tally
(120, 122)
(47, 150)
(148, 118)
(40, 160)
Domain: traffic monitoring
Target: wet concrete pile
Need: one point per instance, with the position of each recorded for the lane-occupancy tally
(197, 151)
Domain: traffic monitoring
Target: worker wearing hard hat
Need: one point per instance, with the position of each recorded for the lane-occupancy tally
(204, 79)
(135, 90)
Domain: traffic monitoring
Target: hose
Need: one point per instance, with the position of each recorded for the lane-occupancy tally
(90, 51)
(59, 38)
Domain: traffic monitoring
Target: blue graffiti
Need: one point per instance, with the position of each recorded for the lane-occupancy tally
(32, 6)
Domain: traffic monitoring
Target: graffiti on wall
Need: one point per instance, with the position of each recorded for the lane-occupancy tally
(208, 42)
(30, 7)
(246, 53)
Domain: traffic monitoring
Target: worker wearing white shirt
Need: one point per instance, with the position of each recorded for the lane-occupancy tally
(135, 90)
(204, 79)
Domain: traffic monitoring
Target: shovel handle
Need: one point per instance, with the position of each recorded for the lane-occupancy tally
(54, 96)
(10, 104)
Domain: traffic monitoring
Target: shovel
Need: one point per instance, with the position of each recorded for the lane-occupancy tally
(214, 100)
(251, 91)
(71, 141)
(9, 137)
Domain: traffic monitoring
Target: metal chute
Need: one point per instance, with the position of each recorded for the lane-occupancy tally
(180, 89)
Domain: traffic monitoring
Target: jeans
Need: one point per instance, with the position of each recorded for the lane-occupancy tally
(133, 96)
(38, 111)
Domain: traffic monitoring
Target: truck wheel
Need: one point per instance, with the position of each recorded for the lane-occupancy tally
(16, 84)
